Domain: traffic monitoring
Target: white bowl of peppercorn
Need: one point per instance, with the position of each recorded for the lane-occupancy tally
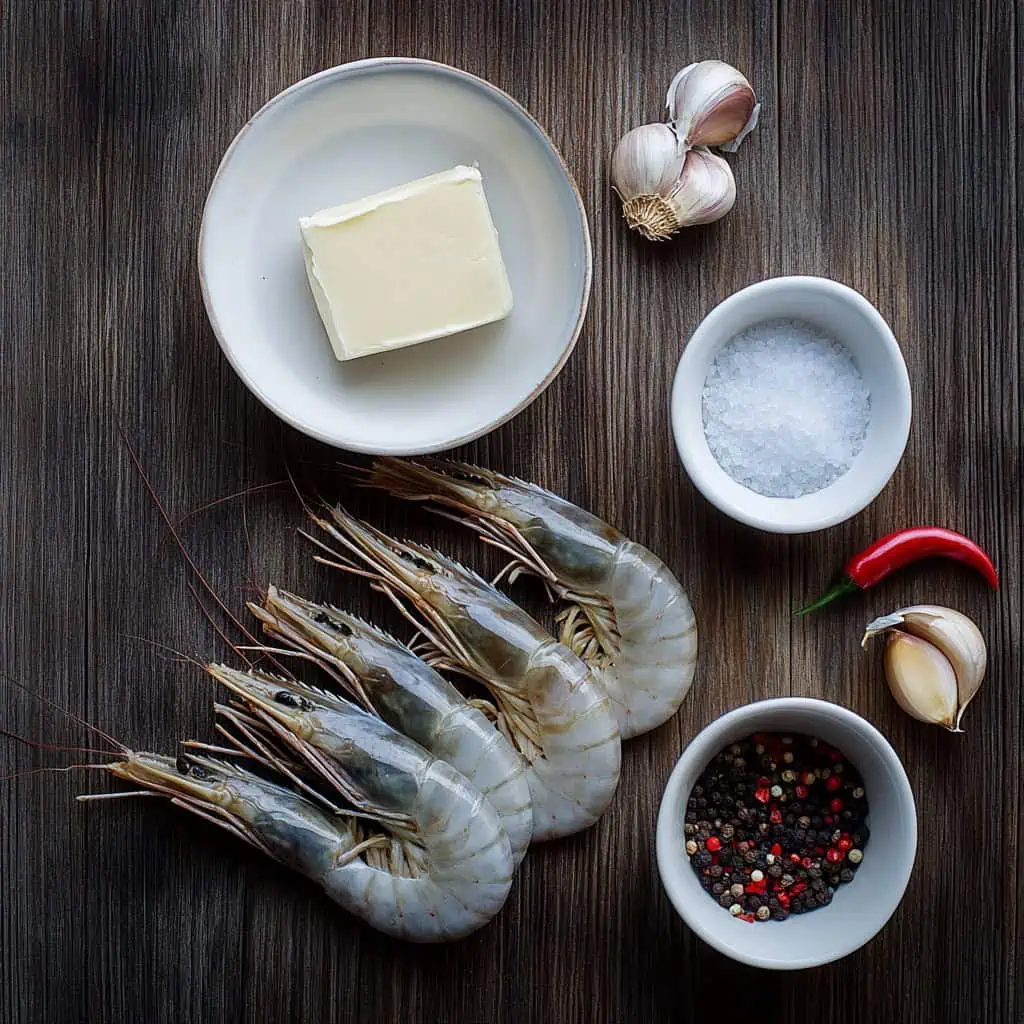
(787, 833)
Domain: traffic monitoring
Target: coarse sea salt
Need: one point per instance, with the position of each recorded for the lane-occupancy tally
(785, 409)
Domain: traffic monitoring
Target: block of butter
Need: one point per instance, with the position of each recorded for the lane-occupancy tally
(416, 262)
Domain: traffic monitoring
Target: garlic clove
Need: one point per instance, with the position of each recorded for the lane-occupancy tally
(706, 190)
(647, 162)
(710, 103)
(921, 679)
(953, 633)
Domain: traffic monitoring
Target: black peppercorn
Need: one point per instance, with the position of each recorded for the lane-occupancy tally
(764, 801)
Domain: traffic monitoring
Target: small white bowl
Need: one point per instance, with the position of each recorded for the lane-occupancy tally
(859, 909)
(844, 315)
(351, 131)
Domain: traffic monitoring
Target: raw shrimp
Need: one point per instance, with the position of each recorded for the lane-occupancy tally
(408, 694)
(459, 885)
(628, 617)
(548, 703)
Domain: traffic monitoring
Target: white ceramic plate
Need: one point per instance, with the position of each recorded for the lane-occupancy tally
(351, 131)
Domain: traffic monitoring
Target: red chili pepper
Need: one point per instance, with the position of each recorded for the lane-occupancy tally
(801, 791)
(762, 794)
(898, 549)
(776, 850)
(833, 783)
(714, 844)
(836, 806)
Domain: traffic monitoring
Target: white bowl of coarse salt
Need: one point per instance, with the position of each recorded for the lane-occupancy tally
(791, 404)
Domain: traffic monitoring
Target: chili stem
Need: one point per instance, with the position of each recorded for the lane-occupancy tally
(843, 587)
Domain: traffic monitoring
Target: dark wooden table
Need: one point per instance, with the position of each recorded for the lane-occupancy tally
(887, 157)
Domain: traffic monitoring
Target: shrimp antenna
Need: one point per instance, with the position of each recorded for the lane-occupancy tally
(177, 539)
(216, 628)
(53, 771)
(207, 586)
(40, 745)
(180, 655)
(295, 487)
(245, 492)
(120, 747)
(248, 547)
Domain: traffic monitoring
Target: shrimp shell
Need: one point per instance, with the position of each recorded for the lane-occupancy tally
(448, 835)
(408, 694)
(550, 706)
(628, 617)
(468, 868)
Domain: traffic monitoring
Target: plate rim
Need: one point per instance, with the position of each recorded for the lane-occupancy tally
(341, 71)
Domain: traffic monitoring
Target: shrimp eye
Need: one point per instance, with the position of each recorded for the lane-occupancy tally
(420, 563)
(323, 619)
(293, 700)
(186, 767)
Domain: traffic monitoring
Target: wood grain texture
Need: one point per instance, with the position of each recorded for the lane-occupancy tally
(887, 157)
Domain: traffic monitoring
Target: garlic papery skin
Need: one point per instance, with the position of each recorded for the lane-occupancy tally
(706, 190)
(647, 162)
(710, 103)
(921, 679)
(646, 166)
(953, 633)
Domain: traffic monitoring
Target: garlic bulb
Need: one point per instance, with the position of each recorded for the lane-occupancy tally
(647, 162)
(706, 189)
(710, 103)
(661, 191)
(956, 649)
